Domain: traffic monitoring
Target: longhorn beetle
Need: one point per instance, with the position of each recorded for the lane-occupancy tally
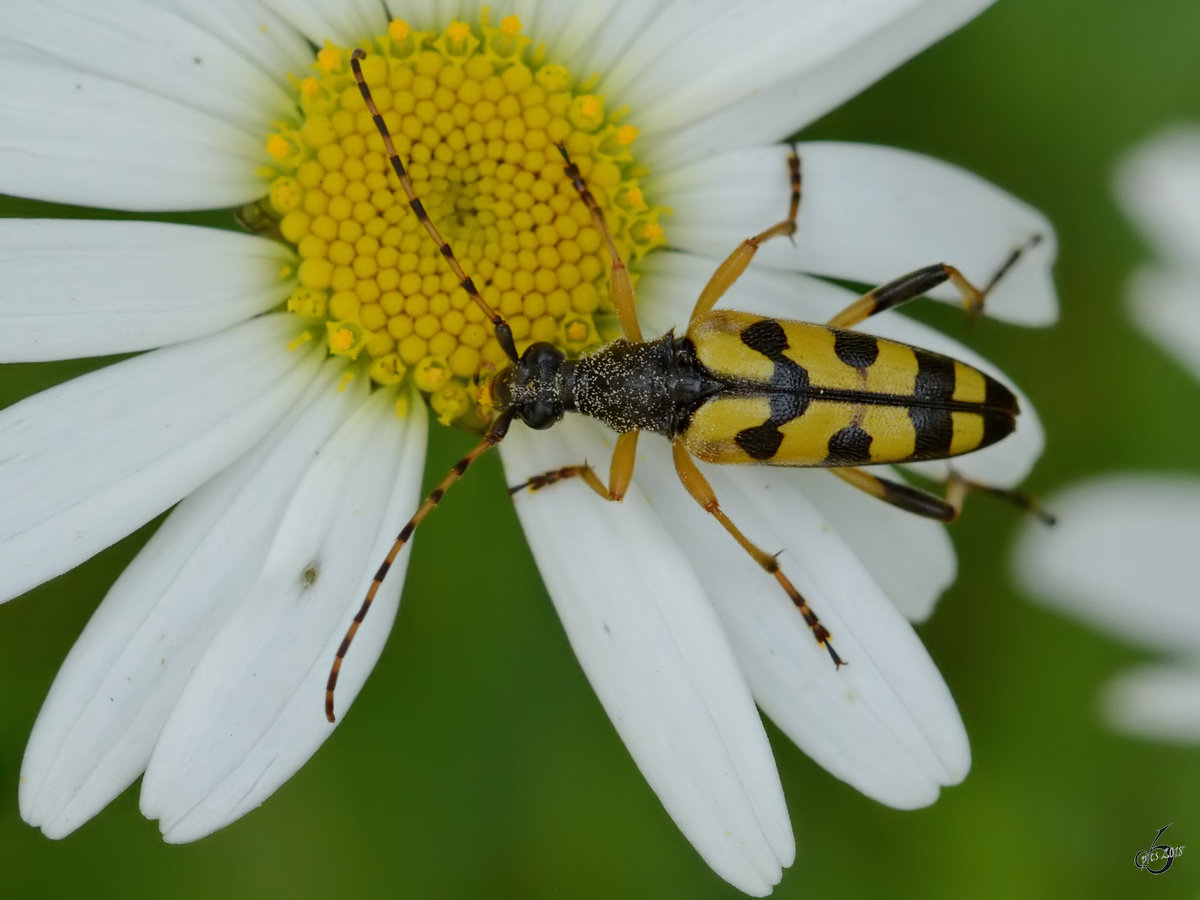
(737, 388)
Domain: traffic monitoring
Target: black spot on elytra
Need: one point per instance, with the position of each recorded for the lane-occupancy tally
(934, 431)
(851, 446)
(935, 378)
(855, 349)
(760, 442)
(766, 337)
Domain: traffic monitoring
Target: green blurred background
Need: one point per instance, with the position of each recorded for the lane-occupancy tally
(478, 762)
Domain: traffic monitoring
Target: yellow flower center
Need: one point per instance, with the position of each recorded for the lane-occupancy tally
(475, 113)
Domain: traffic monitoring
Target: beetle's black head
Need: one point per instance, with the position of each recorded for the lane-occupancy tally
(530, 387)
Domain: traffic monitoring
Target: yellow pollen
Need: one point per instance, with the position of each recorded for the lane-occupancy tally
(278, 146)
(329, 59)
(345, 339)
(430, 374)
(475, 113)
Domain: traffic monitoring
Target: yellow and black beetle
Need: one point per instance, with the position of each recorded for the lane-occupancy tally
(737, 388)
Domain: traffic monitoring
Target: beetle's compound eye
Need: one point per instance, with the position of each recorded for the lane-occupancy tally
(540, 415)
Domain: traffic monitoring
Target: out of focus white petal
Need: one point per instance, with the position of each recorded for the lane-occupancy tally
(1165, 304)
(1156, 702)
(1123, 557)
(253, 711)
(657, 657)
(72, 289)
(1159, 186)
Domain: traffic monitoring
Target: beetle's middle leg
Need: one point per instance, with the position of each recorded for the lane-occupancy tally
(697, 485)
(735, 264)
(620, 472)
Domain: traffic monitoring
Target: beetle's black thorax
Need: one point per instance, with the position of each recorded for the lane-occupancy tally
(649, 386)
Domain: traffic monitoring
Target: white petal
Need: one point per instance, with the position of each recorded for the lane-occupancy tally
(152, 48)
(1165, 304)
(85, 463)
(868, 214)
(1123, 556)
(910, 557)
(656, 656)
(436, 15)
(599, 34)
(76, 137)
(885, 722)
(1159, 186)
(749, 74)
(672, 281)
(252, 29)
(113, 693)
(253, 711)
(89, 288)
(1156, 702)
(344, 22)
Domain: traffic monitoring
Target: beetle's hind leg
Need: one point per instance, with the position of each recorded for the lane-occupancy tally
(957, 488)
(620, 472)
(697, 485)
(916, 284)
(927, 504)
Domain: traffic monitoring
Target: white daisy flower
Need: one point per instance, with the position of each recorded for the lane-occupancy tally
(283, 410)
(1123, 556)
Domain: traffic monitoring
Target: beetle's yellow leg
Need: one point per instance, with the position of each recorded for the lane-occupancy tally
(697, 485)
(917, 284)
(620, 472)
(732, 268)
(622, 285)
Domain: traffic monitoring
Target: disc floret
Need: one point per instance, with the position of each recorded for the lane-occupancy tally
(475, 113)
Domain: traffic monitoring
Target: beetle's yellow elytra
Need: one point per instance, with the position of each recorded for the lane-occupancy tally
(800, 394)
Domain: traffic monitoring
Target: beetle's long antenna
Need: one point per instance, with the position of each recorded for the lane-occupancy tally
(499, 326)
(494, 436)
